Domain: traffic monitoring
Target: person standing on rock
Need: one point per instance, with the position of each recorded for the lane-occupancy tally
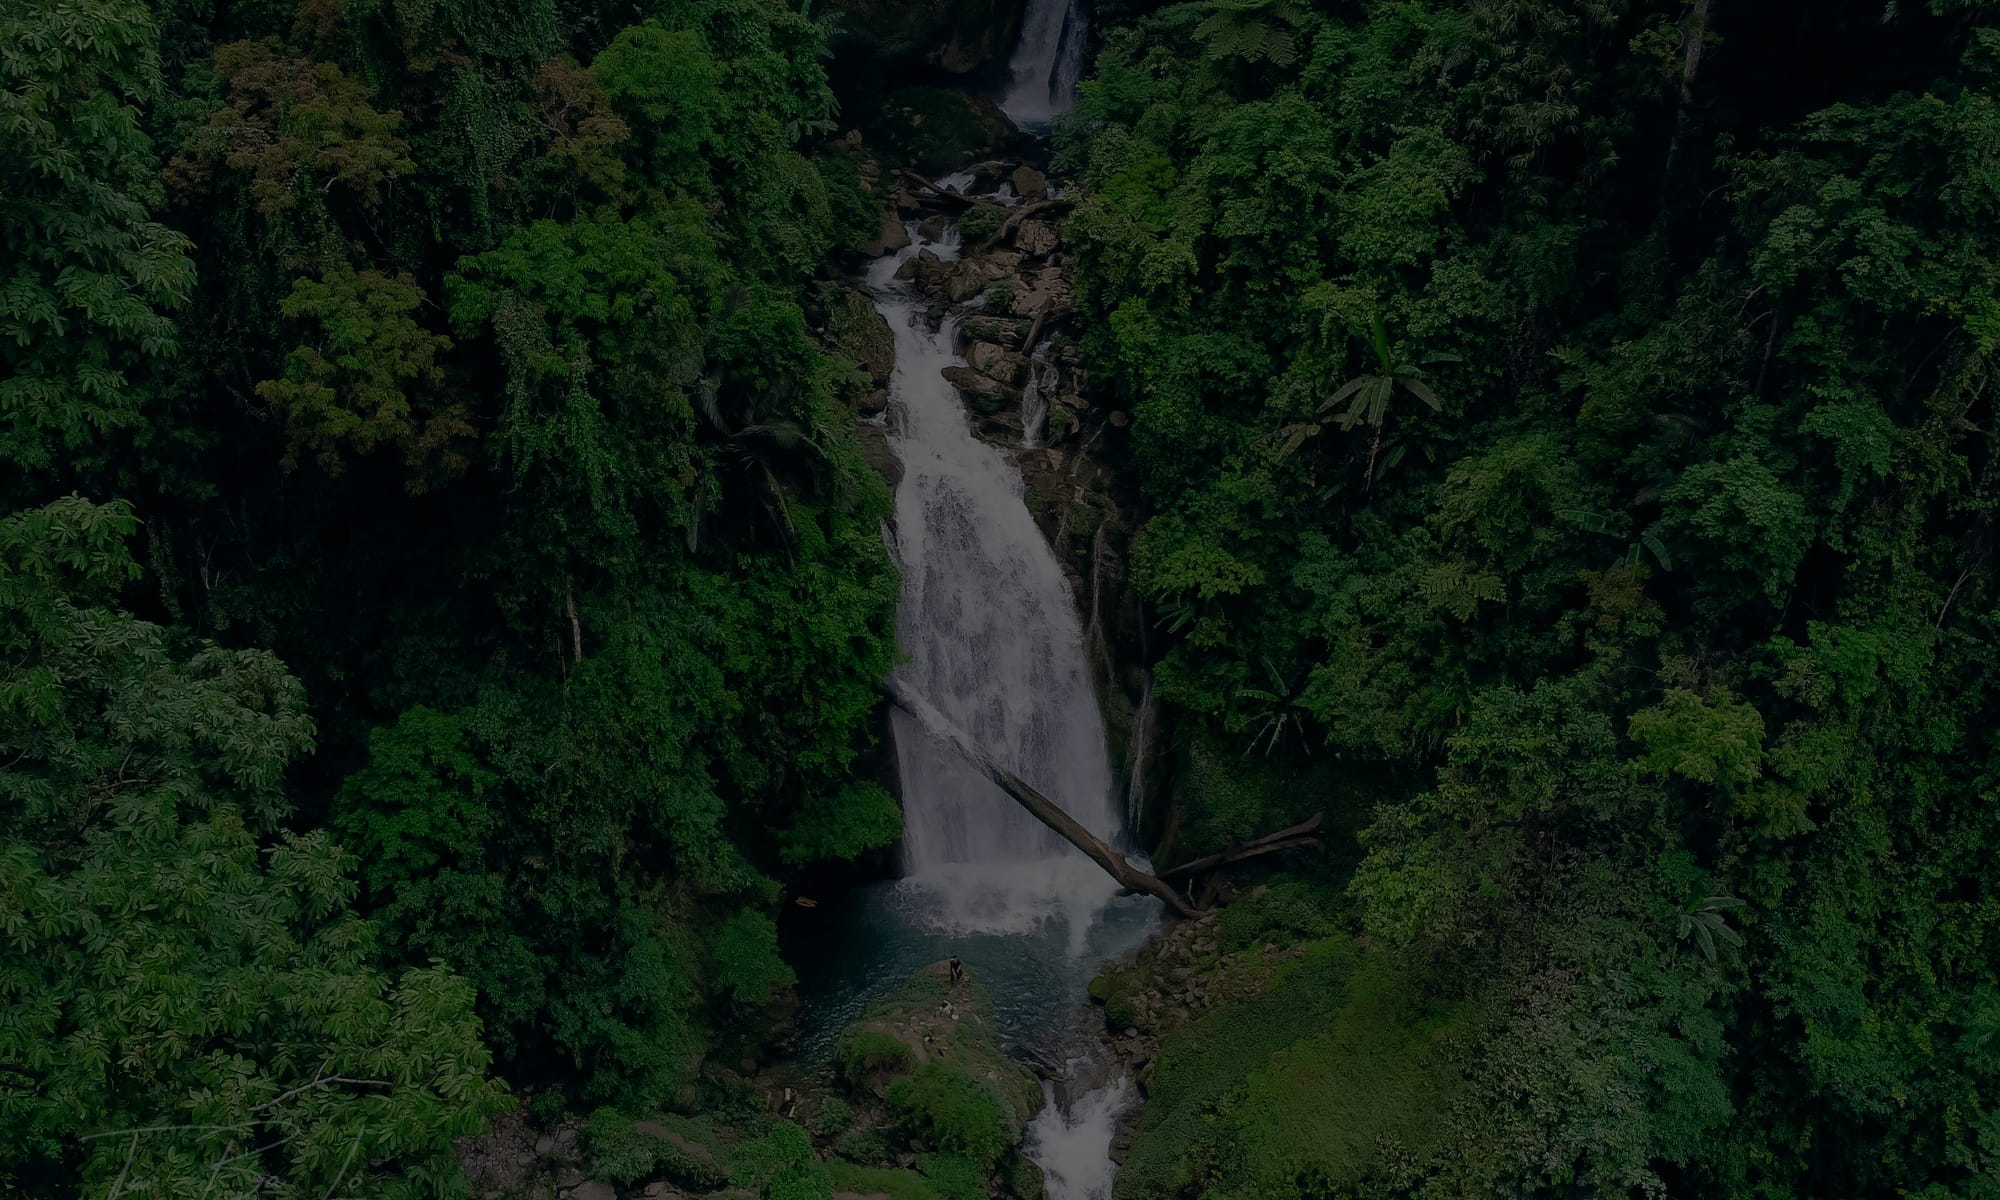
(957, 971)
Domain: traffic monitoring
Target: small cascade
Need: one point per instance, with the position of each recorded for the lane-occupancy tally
(1047, 62)
(1142, 748)
(1071, 1142)
(1035, 397)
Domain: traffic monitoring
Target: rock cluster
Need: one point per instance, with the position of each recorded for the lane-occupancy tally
(513, 1159)
(1174, 979)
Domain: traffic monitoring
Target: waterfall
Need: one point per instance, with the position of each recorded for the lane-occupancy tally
(1047, 62)
(993, 642)
(1071, 1143)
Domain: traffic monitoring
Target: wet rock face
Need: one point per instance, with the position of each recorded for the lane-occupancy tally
(998, 363)
(961, 38)
(983, 395)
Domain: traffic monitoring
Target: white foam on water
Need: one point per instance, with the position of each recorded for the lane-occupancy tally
(1072, 1144)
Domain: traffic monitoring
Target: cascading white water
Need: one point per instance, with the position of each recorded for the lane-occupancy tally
(1047, 62)
(1072, 1143)
(993, 643)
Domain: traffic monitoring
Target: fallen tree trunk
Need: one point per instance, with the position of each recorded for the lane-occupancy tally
(953, 198)
(950, 197)
(1041, 807)
(1293, 838)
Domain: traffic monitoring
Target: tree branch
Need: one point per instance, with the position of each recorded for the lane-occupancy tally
(322, 1081)
(1292, 838)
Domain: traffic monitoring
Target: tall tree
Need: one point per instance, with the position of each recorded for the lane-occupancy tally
(188, 1004)
(87, 277)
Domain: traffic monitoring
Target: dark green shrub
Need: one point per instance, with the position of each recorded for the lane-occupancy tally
(953, 1112)
(743, 958)
(547, 1107)
(866, 1052)
(980, 222)
(617, 1151)
(781, 1165)
(865, 1146)
(954, 1177)
(833, 1117)
(1293, 910)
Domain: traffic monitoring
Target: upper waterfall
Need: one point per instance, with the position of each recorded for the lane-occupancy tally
(1047, 62)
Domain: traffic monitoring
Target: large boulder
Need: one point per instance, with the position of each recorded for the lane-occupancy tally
(939, 1036)
(1035, 238)
(996, 362)
(1029, 183)
(892, 236)
(982, 394)
(857, 332)
(878, 451)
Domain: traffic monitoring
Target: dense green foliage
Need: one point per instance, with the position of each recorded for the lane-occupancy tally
(953, 1110)
(1574, 418)
(442, 602)
(181, 1006)
(461, 358)
(1309, 1087)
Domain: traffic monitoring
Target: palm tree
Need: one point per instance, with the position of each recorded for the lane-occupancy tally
(1703, 918)
(1367, 397)
(1244, 29)
(1277, 709)
(1648, 540)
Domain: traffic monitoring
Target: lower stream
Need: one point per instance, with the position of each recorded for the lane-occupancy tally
(992, 641)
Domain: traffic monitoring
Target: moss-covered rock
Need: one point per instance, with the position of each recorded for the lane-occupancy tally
(857, 332)
(1024, 1179)
(684, 1150)
(1332, 1070)
(850, 1179)
(932, 1051)
(872, 1058)
(954, 1110)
